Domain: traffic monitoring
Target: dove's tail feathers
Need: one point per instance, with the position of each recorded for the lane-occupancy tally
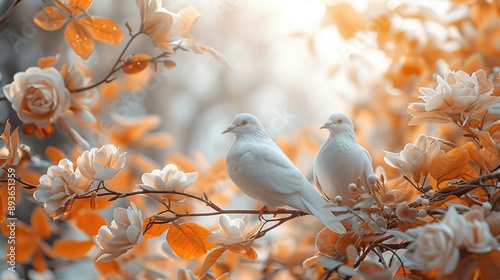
(324, 216)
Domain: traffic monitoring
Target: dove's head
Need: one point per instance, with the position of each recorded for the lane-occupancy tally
(338, 122)
(244, 123)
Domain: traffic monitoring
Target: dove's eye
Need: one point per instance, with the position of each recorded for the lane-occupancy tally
(339, 121)
(244, 122)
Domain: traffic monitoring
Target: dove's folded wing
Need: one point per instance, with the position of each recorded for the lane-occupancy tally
(271, 171)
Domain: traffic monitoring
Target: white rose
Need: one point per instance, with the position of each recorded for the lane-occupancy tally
(167, 179)
(471, 231)
(455, 98)
(416, 158)
(232, 232)
(39, 96)
(124, 233)
(101, 164)
(434, 247)
(166, 29)
(58, 186)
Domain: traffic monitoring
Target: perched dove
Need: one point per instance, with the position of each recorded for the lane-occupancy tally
(262, 171)
(341, 160)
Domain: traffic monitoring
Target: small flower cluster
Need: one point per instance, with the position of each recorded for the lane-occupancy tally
(41, 96)
(455, 99)
(436, 245)
(62, 182)
(124, 233)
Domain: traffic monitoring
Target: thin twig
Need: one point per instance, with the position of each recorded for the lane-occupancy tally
(113, 70)
(7, 14)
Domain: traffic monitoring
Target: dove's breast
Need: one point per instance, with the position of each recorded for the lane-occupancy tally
(234, 168)
(337, 165)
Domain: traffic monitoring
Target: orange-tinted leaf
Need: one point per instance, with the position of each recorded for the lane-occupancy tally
(250, 255)
(2, 210)
(39, 263)
(210, 260)
(48, 61)
(473, 153)
(103, 29)
(109, 268)
(491, 159)
(50, 18)
(489, 264)
(189, 17)
(183, 163)
(89, 222)
(449, 165)
(240, 247)
(54, 154)
(345, 18)
(186, 241)
(373, 269)
(72, 249)
(154, 230)
(26, 244)
(169, 64)
(75, 7)
(79, 39)
(404, 272)
(40, 223)
(136, 63)
(487, 142)
(469, 172)
(93, 201)
(326, 241)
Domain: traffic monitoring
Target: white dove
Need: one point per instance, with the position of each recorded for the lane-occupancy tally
(262, 171)
(341, 160)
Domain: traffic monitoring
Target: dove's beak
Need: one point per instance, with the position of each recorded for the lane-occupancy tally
(327, 124)
(229, 128)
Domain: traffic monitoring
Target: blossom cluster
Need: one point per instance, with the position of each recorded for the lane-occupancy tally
(431, 212)
(63, 183)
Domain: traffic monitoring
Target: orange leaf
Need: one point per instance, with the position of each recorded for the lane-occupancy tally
(26, 244)
(474, 153)
(54, 154)
(79, 39)
(103, 29)
(369, 268)
(240, 247)
(449, 165)
(39, 263)
(155, 229)
(2, 210)
(40, 223)
(489, 264)
(89, 222)
(345, 18)
(93, 201)
(72, 249)
(250, 255)
(404, 272)
(47, 61)
(136, 63)
(109, 268)
(186, 240)
(326, 241)
(50, 18)
(469, 172)
(210, 260)
(487, 142)
(74, 7)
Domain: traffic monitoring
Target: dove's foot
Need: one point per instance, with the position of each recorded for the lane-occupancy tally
(277, 210)
(261, 211)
